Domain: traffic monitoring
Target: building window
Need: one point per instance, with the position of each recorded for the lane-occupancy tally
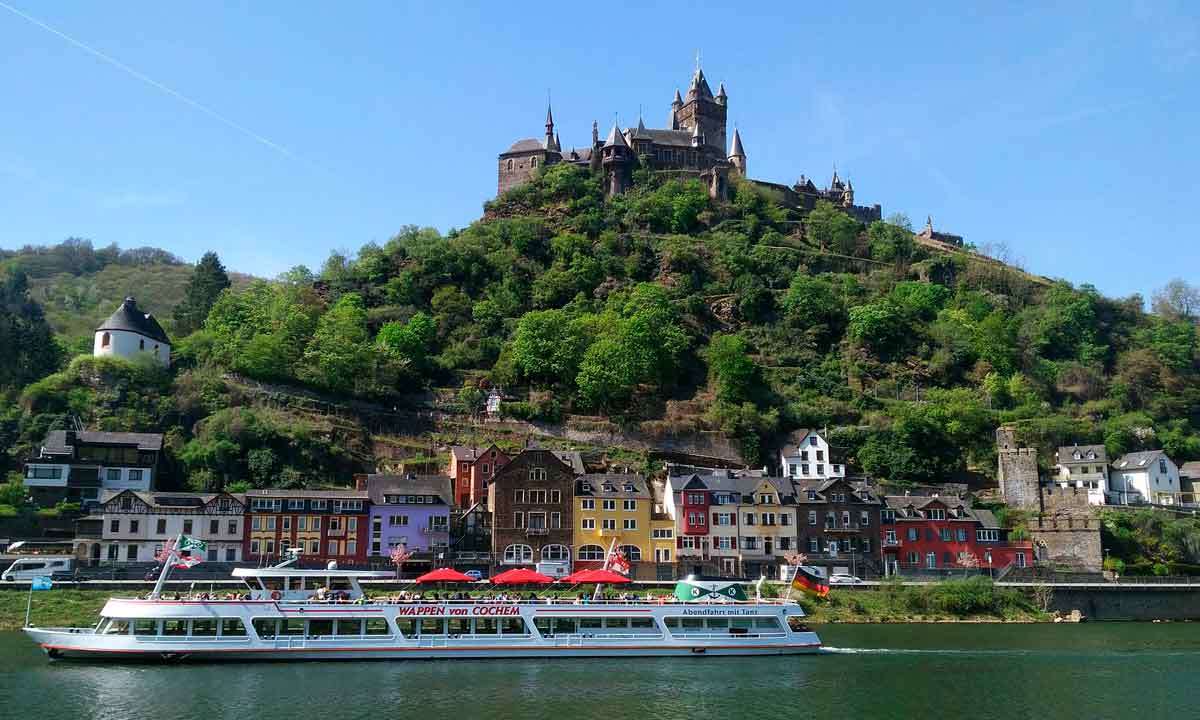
(333, 547)
(555, 553)
(335, 524)
(230, 555)
(519, 497)
(131, 553)
(663, 533)
(587, 504)
(944, 534)
(610, 523)
(270, 547)
(352, 525)
(112, 475)
(315, 547)
(133, 526)
(160, 527)
(662, 555)
(351, 547)
(630, 524)
(253, 547)
(610, 504)
(105, 340)
(518, 519)
(632, 553)
(629, 505)
(588, 524)
(556, 497)
(814, 544)
(591, 552)
(510, 164)
(931, 560)
(866, 545)
(397, 520)
(214, 527)
(555, 521)
(287, 522)
(316, 524)
(937, 514)
(518, 553)
(960, 535)
(271, 522)
(233, 527)
(1020, 559)
(295, 504)
(987, 535)
(135, 476)
(115, 526)
(537, 474)
(913, 534)
(255, 523)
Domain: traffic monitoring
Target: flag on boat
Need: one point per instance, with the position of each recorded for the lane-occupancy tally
(808, 580)
(617, 562)
(195, 549)
(41, 582)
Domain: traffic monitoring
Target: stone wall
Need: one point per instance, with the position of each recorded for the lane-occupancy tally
(1018, 476)
(1120, 602)
(1072, 542)
(1057, 500)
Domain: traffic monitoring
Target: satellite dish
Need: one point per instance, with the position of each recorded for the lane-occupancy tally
(332, 565)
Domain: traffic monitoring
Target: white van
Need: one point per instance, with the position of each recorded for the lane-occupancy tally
(554, 569)
(27, 568)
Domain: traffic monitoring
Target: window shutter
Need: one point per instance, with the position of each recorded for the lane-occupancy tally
(733, 542)
(679, 542)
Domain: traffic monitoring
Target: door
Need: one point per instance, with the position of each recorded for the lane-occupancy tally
(768, 545)
(728, 566)
(931, 561)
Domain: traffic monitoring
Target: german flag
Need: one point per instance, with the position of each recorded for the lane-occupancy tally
(810, 582)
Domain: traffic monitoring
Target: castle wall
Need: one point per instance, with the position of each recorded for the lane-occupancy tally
(514, 170)
(1072, 542)
(125, 344)
(1018, 475)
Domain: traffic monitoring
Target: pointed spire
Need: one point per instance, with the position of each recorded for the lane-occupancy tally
(595, 133)
(549, 115)
(721, 91)
(678, 98)
(736, 150)
(929, 223)
(549, 142)
(615, 137)
(557, 144)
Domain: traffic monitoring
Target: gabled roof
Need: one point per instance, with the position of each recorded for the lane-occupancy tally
(573, 458)
(525, 145)
(611, 485)
(56, 440)
(700, 85)
(380, 485)
(1138, 460)
(130, 318)
(921, 502)
(1066, 454)
(174, 500)
(673, 138)
(858, 489)
(462, 453)
(348, 493)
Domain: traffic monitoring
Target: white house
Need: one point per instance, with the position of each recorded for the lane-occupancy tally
(1144, 477)
(806, 456)
(76, 466)
(1083, 467)
(136, 524)
(129, 331)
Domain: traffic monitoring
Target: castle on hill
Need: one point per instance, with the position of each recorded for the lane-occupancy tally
(693, 145)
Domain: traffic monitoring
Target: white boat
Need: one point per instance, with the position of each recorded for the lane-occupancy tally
(291, 614)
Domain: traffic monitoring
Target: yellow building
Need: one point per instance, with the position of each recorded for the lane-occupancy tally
(613, 510)
(766, 525)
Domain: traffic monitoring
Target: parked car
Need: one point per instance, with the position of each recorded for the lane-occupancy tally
(844, 579)
(476, 574)
(27, 568)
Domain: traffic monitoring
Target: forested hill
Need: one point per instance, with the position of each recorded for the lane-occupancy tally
(78, 285)
(665, 311)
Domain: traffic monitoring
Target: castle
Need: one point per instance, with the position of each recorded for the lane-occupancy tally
(692, 146)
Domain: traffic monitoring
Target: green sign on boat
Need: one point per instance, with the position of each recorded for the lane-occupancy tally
(702, 591)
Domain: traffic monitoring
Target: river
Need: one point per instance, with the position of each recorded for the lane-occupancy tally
(1047, 672)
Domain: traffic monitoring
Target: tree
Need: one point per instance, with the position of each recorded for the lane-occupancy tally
(731, 371)
(1177, 300)
(831, 229)
(29, 349)
(207, 282)
(410, 343)
(338, 356)
(878, 326)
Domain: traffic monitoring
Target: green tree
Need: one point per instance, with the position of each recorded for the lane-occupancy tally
(879, 326)
(731, 371)
(207, 281)
(338, 356)
(29, 348)
(831, 229)
(410, 343)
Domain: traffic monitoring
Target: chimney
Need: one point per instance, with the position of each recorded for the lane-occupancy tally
(360, 481)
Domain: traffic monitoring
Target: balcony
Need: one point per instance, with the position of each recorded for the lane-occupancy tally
(609, 532)
(435, 530)
(848, 528)
(892, 542)
(537, 531)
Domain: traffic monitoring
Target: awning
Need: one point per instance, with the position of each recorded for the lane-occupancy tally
(521, 576)
(444, 575)
(599, 577)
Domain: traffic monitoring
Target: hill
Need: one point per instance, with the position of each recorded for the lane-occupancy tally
(664, 312)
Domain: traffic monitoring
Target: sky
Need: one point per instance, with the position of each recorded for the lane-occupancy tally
(275, 133)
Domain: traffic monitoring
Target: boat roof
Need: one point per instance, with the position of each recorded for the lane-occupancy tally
(294, 572)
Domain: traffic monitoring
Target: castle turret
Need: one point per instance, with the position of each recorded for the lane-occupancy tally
(128, 332)
(722, 98)
(737, 156)
(697, 136)
(618, 162)
(675, 105)
(848, 194)
(700, 109)
(549, 144)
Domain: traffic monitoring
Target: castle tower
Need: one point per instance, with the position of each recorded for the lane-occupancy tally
(128, 332)
(618, 162)
(1017, 471)
(701, 110)
(675, 105)
(737, 156)
(550, 141)
(722, 98)
(594, 164)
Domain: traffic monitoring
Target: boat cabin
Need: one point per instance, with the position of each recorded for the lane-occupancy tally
(291, 585)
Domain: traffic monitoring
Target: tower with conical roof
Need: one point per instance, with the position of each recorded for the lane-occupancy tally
(700, 109)
(129, 332)
(737, 156)
(550, 141)
(618, 162)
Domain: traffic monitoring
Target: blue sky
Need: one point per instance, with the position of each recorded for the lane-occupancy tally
(1067, 132)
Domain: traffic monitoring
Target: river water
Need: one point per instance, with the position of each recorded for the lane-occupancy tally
(1047, 672)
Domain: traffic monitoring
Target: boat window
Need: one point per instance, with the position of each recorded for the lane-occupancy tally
(204, 628)
(642, 624)
(590, 623)
(320, 628)
(673, 622)
(407, 626)
(265, 627)
(378, 626)
(433, 626)
(271, 583)
(513, 626)
(145, 627)
(117, 627)
(458, 626)
(174, 627)
(563, 626)
(232, 627)
(766, 623)
(743, 623)
(485, 626)
(340, 583)
(349, 626)
(622, 623)
(692, 623)
(718, 623)
(295, 583)
(292, 626)
(543, 625)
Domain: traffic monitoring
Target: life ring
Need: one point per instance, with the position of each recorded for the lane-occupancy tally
(275, 595)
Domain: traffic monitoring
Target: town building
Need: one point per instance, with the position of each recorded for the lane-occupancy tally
(613, 511)
(471, 470)
(929, 236)
(1144, 477)
(838, 528)
(766, 524)
(76, 466)
(941, 535)
(695, 144)
(531, 500)
(409, 511)
(135, 524)
(806, 455)
(129, 332)
(1189, 482)
(1084, 467)
(323, 525)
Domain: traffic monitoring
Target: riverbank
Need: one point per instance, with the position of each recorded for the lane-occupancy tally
(976, 600)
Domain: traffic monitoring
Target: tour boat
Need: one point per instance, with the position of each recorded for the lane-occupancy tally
(291, 614)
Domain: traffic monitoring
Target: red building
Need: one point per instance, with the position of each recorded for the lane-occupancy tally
(471, 471)
(323, 524)
(932, 534)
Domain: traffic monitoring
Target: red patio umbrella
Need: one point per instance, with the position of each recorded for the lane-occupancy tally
(521, 576)
(444, 575)
(599, 577)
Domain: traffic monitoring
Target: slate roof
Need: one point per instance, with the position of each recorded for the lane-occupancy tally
(660, 136)
(380, 485)
(573, 458)
(736, 150)
(860, 489)
(349, 493)
(1190, 469)
(56, 440)
(129, 317)
(593, 485)
(920, 502)
(1066, 454)
(524, 145)
(615, 138)
(741, 484)
(1137, 460)
(173, 499)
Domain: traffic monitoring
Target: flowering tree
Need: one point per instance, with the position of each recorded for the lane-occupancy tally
(968, 560)
(163, 556)
(400, 555)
